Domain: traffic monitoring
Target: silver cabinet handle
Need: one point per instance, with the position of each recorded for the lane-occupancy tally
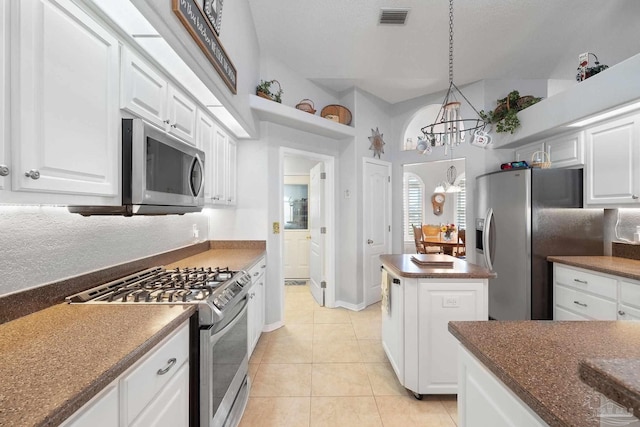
(635, 197)
(263, 266)
(261, 283)
(581, 304)
(4, 170)
(584, 282)
(369, 241)
(229, 199)
(170, 364)
(256, 273)
(33, 174)
(216, 197)
(167, 121)
(621, 313)
(173, 126)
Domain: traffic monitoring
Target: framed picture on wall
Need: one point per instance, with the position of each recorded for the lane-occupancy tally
(213, 11)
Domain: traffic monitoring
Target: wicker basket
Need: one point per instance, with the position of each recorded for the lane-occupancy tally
(267, 95)
(306, 105)
(344, 115)
(535, 160)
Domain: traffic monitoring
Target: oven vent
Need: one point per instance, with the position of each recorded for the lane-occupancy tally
(393, 16)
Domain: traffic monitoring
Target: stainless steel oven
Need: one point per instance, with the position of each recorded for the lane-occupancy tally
(224, 387)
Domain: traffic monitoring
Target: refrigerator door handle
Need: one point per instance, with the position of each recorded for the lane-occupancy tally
(486, 239)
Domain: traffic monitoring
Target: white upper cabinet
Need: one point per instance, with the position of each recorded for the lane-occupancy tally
(148, 94)
(526, 152)
(64, 101)
(612, 163)
(205, 132)
(566, 150)
(231, 163)
(218, 191)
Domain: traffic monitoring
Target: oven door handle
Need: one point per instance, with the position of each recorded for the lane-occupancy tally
(216, 336)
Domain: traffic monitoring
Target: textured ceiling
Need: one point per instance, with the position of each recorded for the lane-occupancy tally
(339, 44)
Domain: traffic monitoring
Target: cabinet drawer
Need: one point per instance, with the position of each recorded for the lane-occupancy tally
(145, 379)
(630, 293)
(586, 281)
(584, 304)
(258, 270)
(560, 313)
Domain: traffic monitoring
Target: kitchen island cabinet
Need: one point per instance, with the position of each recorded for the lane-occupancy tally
(415, 315)
(530, 373)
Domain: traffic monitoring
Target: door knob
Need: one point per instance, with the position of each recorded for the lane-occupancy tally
(369, 241)
(308, 237)
(4, 170)
(33, 174)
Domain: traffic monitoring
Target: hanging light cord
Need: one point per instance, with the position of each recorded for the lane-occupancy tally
(450, 42)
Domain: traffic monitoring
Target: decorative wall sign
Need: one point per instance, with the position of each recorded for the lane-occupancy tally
(213, 12)
(377, 144)
(192, 17)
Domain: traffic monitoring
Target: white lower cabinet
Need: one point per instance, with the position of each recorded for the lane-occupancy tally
(255, 310)
(483, 400)
(101, 411)
(152, 392)
(581, 294)
(415, 334)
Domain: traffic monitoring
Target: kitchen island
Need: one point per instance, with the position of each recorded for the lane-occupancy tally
(532, 373)
(418, 302)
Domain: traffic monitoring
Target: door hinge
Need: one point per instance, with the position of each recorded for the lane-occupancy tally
(323, 230)
(323, 284)
(388, 179)
(389, 228)
(323, 175)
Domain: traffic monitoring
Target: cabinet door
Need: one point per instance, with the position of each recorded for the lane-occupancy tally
(205, 133)
(393, 328)
(219, 159)
(613, 162)
(143, 91)
(100, 411)
(5, 164)
(439, 304)
(182, 115)
(566, 150)
(626, 312)
(231, 171)
(65, 79)
(170, 407)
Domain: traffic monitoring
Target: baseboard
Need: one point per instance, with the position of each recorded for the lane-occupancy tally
(349, 306)
(273, 326)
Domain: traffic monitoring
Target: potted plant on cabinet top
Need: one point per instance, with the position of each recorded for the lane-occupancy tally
(264, 90)
(505, 116)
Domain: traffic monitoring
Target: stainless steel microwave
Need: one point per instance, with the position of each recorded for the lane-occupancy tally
(160, 174)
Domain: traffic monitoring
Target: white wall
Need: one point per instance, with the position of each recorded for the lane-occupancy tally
(47, 244)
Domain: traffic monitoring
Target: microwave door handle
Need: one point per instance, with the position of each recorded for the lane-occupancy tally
(200, 185)
(486, 239)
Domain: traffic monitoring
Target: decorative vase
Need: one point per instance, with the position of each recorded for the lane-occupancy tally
(447, 235)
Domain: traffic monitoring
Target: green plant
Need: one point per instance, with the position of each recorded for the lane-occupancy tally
(265, 87)
(505, 116)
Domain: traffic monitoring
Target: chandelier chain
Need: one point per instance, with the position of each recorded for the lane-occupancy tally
(450, 41)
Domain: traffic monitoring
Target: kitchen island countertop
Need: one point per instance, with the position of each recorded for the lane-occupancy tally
(55, 360)
(540, 361)
(403, 266)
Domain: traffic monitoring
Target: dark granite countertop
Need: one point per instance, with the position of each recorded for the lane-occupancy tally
(624, 267)
(403, 266)
(618, 379)
(55, 360)
(539, 361)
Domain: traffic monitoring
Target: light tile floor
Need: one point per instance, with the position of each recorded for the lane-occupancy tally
(326, 367)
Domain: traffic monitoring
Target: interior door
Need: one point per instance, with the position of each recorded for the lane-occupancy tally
(296, 254)
(377, 225)
(316, 225)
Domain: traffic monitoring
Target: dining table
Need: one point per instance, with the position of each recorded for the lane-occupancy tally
(447, 245)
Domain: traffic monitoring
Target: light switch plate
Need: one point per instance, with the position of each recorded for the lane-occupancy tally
(276, 228)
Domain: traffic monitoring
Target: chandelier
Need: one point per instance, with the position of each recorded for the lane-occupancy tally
(449, 127)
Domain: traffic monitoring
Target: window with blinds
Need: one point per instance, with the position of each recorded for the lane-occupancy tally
(461, 205)
(413, 203)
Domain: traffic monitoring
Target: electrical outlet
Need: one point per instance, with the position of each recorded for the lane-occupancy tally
(276, 228)
(195, 233)
(450, 301)
(347, 194)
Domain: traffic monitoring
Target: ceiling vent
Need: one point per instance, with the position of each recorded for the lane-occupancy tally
(393, 16)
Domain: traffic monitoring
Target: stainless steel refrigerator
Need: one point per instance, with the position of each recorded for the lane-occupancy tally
(523, 216)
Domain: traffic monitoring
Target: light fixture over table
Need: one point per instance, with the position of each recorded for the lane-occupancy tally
(449, 126)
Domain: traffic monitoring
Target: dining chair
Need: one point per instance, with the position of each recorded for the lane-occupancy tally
(417, 238)
(431, 232)
(461, 250)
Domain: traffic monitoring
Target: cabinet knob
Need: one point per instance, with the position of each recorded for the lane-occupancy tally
(33, 174)
(167, 121)
(216, 198)
(263, 266)
(174, 126)
(256, 273)
(4, 170)
(635, 196)
(369, 241)
(229, 199)
(621, 313)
